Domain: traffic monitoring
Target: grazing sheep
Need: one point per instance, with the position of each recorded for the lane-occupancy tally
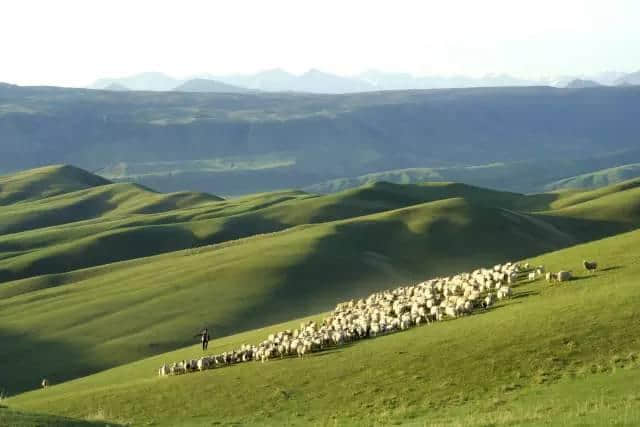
(44, 383)
(488, 301)
(563, 276)
(590, 266)
(164, 371)
(504, 292)
(380, 313)
(202, 363)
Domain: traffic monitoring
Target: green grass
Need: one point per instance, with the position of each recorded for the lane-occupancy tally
(554, 354)
(600, 178)
(124, 221)
(569, 198)
(251, 261)
(117, 222)
(269, 258)
(13, 418)
(239, 285)
(47, 181)
(528, 176)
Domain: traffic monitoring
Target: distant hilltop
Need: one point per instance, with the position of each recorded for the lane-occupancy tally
(580, 83)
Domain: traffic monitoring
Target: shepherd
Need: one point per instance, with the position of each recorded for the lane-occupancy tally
(204, 337)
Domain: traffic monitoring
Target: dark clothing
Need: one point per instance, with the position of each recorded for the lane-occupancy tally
(204, 337)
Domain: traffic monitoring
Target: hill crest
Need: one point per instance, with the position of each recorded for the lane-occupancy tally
(206, 85)
(47, 181)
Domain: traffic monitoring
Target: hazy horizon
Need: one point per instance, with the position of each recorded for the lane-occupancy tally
(543, 78)
(73, 43)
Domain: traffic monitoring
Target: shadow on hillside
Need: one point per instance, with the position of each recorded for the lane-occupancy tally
(26, 359)
(585, 230)
(577, 278)
(384, 196)
(613, 267)
(524, 294)
(133, 242)
(356, 258)
(496, 307)
(58, 213)
(10, 417)
(536, 202)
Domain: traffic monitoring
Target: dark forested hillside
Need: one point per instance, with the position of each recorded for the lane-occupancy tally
(239, 143)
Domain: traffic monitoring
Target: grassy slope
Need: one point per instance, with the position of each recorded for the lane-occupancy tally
(123, 221)
(47, 181)
(527, 176)
(113, 200)
(600, 178)
(117, 222)
(574, 197)
(392, 234)
(84, 226)
(13, 418)
(155, 301)
(596, 213)
(563, 354)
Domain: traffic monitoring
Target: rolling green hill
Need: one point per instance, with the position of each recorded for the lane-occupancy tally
(553, 355)
(111, 200)
(529, 176)
(45, 182)
(600, 178)
(115, 222)
(572, 198)
(245, 283)
(159, 266)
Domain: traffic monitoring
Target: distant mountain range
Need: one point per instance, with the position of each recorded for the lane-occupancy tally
(631, 79)
(581, 83)
(316, 81)
(142, 81)
(117, 87)
(313, 81)
(206, 85)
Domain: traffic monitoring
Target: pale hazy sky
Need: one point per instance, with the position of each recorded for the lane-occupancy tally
(71, 43)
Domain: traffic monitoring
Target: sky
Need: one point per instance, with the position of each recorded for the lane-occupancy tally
(72, 43)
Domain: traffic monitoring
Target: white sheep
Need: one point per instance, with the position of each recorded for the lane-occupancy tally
(164, 370)
(380, 313)
(504, 292)
(203, 363)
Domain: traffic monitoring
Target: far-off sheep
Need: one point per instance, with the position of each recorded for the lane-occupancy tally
(590, 266)
(563, 276)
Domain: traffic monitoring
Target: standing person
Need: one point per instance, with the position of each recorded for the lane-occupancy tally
(204, 337)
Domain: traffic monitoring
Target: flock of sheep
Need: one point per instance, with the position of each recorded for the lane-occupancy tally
(381, 313)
